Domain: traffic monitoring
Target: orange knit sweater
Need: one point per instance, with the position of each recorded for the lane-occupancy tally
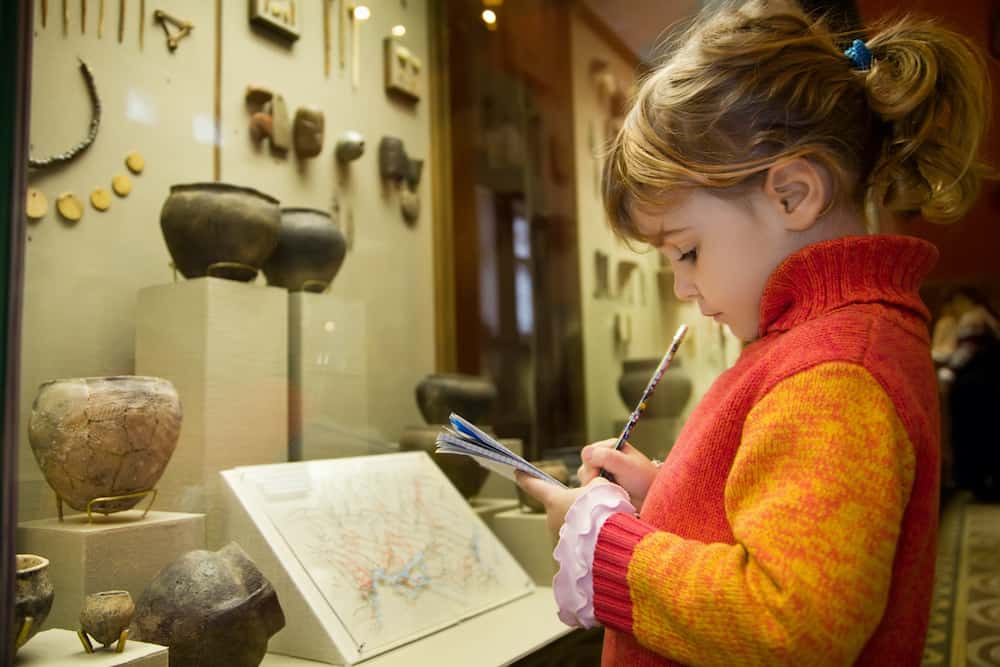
(795, 520)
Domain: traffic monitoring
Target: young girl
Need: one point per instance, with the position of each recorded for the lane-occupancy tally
(795, 520)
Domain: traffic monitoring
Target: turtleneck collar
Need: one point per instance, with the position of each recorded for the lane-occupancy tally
(854, 269)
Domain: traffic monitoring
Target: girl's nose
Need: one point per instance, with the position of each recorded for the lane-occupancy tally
(683, 288)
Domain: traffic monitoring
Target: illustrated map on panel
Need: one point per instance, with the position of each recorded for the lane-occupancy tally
(390, 544)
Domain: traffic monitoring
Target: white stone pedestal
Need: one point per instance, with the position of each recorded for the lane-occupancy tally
(528, 539)
(117, 552)
(328, 379)
(62, 648)
(224, 345)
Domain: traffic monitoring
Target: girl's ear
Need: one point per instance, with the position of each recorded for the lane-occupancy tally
(798, 190)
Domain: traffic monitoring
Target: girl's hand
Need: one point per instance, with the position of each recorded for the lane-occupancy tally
(632, 470)
(556, 499)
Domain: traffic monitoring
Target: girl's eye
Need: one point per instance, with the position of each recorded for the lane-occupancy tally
(689, 256)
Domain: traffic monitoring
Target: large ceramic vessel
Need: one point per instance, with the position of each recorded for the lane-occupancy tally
(462, 471)
(33, 596)
(213, 609)
(440, 394)
(219, 229)
(309, 252)
(671, 395)
(104, 436)
(106, 614)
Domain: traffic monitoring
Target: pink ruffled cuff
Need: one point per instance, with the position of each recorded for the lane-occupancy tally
(573, 584)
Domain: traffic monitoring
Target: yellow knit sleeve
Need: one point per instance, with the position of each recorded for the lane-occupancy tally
(815, 499)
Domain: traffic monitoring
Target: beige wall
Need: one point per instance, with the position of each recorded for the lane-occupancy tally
(81, 280)
(707, 349)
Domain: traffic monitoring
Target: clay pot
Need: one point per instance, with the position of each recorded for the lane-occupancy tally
(213, 609)
(105, 615)
(218, 229)
(310, 251)
(671, 394)
(440, 394)
(33, 596)
(104, 436)
(553, 467)
(465, 474)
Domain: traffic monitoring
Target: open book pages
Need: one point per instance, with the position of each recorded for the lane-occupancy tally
(465, 438)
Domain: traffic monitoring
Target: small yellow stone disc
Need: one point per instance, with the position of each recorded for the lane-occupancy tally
(122, 185)
(135, 162)
(37, 205)
(69, 206)
(100, 199)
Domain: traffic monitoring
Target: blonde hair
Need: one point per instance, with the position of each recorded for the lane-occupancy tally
(762, 82)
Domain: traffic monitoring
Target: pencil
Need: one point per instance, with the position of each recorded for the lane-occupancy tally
(648, 391)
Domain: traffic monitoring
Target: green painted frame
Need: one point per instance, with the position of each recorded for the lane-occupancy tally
(15, 100)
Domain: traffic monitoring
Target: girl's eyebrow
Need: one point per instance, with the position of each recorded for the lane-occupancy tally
(665, 234)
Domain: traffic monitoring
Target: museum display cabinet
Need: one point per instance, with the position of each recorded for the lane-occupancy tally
(256, 253)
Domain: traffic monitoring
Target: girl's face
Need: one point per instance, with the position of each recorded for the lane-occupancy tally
(722, 252)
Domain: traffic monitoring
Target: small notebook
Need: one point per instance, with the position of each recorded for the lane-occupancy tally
(463, 437)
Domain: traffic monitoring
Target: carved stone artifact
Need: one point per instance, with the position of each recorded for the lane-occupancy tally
(135, 162)
(122, 185)
(308, 132)
(393, 163)
(310, 251)
(409, 204)
(218, 229)
(69, 207)
(213, 609)
(103, 437)
(105, 617)
(33, 596)
(100, 199)
(37, 205)
(350, 146)
(440, 394)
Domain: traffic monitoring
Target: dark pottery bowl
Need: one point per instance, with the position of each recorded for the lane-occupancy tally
(219, 229)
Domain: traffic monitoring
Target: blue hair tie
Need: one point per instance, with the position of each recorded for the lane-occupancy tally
(859, 55)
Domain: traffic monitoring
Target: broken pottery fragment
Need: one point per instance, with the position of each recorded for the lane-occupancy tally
(104, 436)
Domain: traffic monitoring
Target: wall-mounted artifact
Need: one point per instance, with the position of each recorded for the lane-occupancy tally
(213, 609)
(45, 12)
(83, 17)
(100, 19)
(103, 442)
(669, 399)
(121, 21)
(269, 119)
(219, 229)
(121, 184)
(393, 163)
(69, 207)
(310, 251)
(105, 618)
(402, 70)
(308, 132)
(350, 146)
(409, 204)
(33, 596)
(95, 124)
(100, 199)
(36, 205)
(174, 29)
(65, 17)
(279, 16)
(135, 162)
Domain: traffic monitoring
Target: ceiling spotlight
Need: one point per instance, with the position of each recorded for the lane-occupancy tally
(362, 13)
(489, 17)
(398, 30)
